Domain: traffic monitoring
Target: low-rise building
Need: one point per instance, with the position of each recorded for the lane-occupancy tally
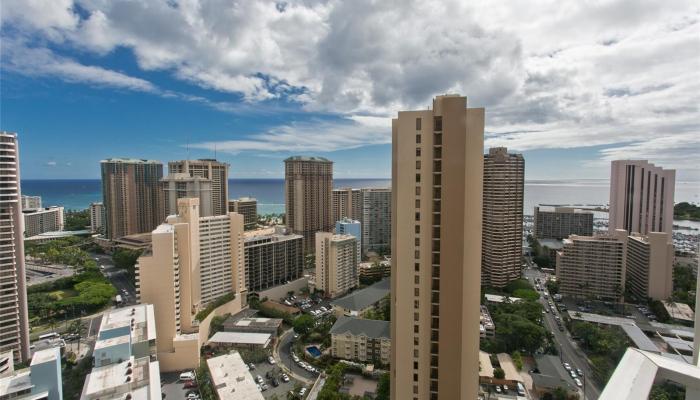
(248, 207)
(270, 326)
(360, 302)
(42, 380)
(243, 340)
(133, 378)
(231, 378)
(487, 329)
(369, 271)
(336, 263)
(38, 221)
(363, 340)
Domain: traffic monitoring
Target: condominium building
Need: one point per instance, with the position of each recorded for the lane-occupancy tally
(97, 217)
(213, 170)
(650, 266)
(31, 202)
(182, 185)
(42, 380)
(363, 340)
(347, 203)
(593, 266)
(37, 221)
(376, 221)
(13, 309)
(560, 222)
(436, 250)
(132, 196)
(308, 185)
(502, 232)
(273, 256)
(336, 263)
(124, 358)
(641, 197)
(193, 261)
(347, 226)
(374, 270)
(248, 207)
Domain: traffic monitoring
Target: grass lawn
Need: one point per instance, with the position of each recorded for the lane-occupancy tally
(62, 294)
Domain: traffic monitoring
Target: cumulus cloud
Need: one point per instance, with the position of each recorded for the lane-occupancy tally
(616, 73)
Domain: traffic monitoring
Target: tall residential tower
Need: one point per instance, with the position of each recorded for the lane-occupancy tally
(307, 194)
(437, 172)
(13, 308)
(215, 171)
(502, 241)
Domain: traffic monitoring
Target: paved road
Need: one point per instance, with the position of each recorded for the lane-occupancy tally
(283, 355)
(118, 277)
(569, 350)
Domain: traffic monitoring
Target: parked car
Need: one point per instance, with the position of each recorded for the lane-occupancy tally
(567, 366)
(190, 385)
(259, 379)
(251, 366)
(271, 360)
(274, 382)
(285, 378)
(579, 372)
(187, 376)
(578, 382)
(498, 388)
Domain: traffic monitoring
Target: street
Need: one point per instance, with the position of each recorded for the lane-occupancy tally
(285, 357)
(569, 351)
(118, 278)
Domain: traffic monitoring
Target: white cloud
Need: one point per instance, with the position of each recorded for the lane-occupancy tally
(551, 74)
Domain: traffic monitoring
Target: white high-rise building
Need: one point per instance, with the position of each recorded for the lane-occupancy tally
(97, 217)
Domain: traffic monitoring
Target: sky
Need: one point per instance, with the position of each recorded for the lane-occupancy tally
(570, 84)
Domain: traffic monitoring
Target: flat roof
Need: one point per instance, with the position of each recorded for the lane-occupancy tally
(253, 338)
(494, 298)
(630, 328)
(46, 355)
(18, 381)
(142, 315)
(108, 382)
(308, 158)
(363, 298)
(552, 243)
(485, 366)
(231, 378)
(679, 311)
(130, 161)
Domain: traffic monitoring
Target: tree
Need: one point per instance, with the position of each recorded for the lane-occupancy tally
(560, 393)
(498, 373)
(383, 387)
(303, 324)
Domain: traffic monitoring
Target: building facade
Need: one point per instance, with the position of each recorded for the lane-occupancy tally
(248, 207)
(593, 266)
(502, 232)
(336, 263)
(31, 202)
(182, 185)
(42, 380)
(560, 222)
(650, 266)
(37, 221)
(215, 171)
(363, 340)
(347, 203)
(132, 196)
(308, 185)
(437, 172)
(376, 221)
(272, 257)
(193, 261)
(641, 197)
(13, 309)
(97, 217)
(347, 226)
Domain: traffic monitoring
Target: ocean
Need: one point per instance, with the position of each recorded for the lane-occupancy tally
(77, 194)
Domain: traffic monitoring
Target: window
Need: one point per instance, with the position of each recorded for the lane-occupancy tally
(417, 203)
(417, 190)
(417, 254)
(417, 138)
(416, 279)
(415, 305)
(415, 329)
(417, 228)
(417, 178)
(417, 164)
(415, 354)
(417, 151)
(437, 124)
(417, 216)
(415, 365)
(415, 339)
(415, 292)
(417, 242)
(418, 124)
(416, 266)
(415, 376)
(415, 316)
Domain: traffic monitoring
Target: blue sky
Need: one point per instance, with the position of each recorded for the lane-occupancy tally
(258, 81)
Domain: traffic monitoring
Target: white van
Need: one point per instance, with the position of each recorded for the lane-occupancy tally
(187, 376)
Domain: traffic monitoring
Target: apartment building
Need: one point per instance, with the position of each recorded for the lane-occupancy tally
(593, 266)
(308, 185)
(213, 170)
(560, 222)
(374, 271)
(31, 202)
(362, 340)
(182, 185)
(273, 256)
(437, 173)
(38, 221)
(97, 217)
(376, 221)
(248, 207)
(132, 196)
(347, 226)
(502, 228)
(347, 203)
(13, 309)
(641, 197)
(193, 261)
(336, 263)
(41, 380)
(650, 266)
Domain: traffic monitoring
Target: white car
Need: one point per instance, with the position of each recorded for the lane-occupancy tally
(271, 360)
(578, 382)
(567, 366)
(302, 391)
(285, 378)
(259, 379)
(187, 376)
(324, 309)
(295, 358)
(573, 374)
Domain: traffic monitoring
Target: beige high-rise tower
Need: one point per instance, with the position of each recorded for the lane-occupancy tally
(13, 308)
(641, 197)
(132, 196)
(437, 171)
(502, 241)
(308, 183)
(336, 263)
(211, 169)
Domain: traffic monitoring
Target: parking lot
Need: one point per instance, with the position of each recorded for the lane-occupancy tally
(173, 388)
(274, 371)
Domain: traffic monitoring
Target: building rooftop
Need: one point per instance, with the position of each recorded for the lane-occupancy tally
(140, 318)
(275, 233)
(130, 161)
(244, 338)
(308, 158)
(362, 327)
(494, 298)
(552, 243)
(16, 382)
(139, 378)
(245, 199)
(679, 311)
(363, 298)
(57, 235)
(231, 378)
(558, 209)
(254, 322)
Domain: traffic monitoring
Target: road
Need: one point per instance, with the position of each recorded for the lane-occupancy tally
(284, 356)
(118, 277)
(569, 350)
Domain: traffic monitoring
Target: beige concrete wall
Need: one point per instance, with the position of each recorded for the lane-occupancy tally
(661, 255)
(278, 292)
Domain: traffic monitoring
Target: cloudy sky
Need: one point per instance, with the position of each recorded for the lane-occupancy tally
(570, 84)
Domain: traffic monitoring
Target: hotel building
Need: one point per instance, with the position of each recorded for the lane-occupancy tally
(213, 170)
(336, 263)
(273, 256)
